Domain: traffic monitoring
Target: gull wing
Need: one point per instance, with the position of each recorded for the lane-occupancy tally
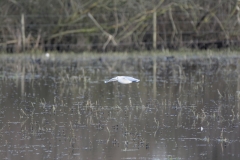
(132, 79)
(111, 80)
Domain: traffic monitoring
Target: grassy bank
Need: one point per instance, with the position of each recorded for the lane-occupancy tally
(164, 56)
(123, 62)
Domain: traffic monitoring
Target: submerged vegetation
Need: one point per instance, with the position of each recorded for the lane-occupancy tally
(117, 25)
(60, 107)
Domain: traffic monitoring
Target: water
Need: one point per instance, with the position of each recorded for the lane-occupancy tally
(193, 114)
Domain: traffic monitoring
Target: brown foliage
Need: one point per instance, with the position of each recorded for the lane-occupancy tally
(101, 25)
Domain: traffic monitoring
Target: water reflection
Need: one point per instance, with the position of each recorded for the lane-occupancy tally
(80, 117)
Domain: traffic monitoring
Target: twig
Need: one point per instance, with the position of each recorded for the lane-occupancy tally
(110, 37)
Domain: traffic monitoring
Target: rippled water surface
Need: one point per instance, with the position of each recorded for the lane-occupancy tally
(191, 114)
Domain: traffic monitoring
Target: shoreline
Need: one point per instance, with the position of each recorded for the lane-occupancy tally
(123, 62)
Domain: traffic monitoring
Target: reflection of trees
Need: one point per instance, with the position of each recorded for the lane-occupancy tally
(238, 89)
(82, 113)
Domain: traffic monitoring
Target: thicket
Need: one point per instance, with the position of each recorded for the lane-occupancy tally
(109, 25)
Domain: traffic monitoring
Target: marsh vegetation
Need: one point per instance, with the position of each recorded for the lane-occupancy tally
(118, 25)
(59, 107)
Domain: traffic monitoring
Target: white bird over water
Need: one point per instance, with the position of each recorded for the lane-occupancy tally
(123, 79)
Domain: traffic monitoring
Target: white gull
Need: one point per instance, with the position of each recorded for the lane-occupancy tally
(123, 79)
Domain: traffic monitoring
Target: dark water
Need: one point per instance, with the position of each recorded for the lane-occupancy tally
(194, 115)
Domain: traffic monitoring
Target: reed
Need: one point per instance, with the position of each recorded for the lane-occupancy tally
(117, 25)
